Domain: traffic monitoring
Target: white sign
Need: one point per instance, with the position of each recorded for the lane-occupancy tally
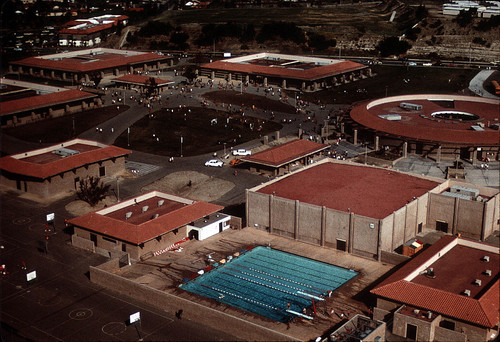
(31, 276)
(227, 54)
(135, 317)
(51, 217)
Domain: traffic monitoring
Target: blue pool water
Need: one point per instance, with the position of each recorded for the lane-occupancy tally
(264, 280)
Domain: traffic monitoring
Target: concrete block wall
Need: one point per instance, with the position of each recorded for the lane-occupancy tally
(337, 227)
(309, 223)
(257, 207)
(491, 216)
(365, 236)
(469, 218)
(283, 216)
(440, 209)
(191, 310)
(398, 229)
(425, 329)
(447, 335)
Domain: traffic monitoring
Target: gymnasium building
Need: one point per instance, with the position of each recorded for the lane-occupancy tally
(368, 211)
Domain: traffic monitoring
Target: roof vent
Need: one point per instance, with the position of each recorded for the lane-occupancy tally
(488, 273)
(155, 216)
(160, 202)
(128, 215)
(466, 293)
(416, 311)
(486, 258)
(477, 282)
(145, 208)
(429, 273)
(429, 314)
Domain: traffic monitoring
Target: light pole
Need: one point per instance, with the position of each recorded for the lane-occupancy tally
(118, 189)
(181, 145)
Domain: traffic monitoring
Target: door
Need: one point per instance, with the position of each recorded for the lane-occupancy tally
(93, 238)
(341, 245)
(220, 227)
(102, 171)
(442, 226)
(411, 331)
(420, 228)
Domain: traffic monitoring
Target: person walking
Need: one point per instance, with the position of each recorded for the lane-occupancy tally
(46, 244)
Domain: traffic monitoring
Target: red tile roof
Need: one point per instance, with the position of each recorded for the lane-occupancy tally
(141, 233)
(483, 311)
(83, 65)
(307, 74)
(45, 100)
(141, 79)
(366, 191)
(285, 153)
(46, 170)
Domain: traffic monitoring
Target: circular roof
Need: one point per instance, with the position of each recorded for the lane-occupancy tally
(460, 119)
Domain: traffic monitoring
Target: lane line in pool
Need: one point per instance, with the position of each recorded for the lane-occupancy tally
(272, 281)
(261, 284)
(238, 296)
(279, 277)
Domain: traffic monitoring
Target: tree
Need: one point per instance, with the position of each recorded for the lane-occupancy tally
(392, 46)
(91, 190)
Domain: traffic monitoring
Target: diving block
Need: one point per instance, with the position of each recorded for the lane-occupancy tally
(299, 314)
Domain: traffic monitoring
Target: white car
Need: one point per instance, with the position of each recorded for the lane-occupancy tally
(214, 163)
(242, 152)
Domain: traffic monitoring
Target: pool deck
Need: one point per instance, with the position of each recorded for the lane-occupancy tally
(165, 272)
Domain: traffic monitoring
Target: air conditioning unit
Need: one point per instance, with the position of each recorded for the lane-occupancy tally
(145, 208)
(128, 215)
(466, 293)
(488, 273)
(477, 282)
(486, 258)
(160, 202)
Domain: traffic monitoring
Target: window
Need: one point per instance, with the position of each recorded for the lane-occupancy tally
(420, 227)
(442, 226)
(102, 171)
(124, 247)
(341, 245)
(447, 324)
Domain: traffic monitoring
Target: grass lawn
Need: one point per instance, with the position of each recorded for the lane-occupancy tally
(160, 133)
(61, 128)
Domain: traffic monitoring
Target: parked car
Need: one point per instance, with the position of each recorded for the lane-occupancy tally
(241, 152)
(214, 163)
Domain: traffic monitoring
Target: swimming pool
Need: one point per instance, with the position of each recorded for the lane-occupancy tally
(269, 282)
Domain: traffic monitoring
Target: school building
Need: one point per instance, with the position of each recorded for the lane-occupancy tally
(147, 225)
(286, 71)
(448, 292)
(25, 102)
(80, 66)
(57, 170)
